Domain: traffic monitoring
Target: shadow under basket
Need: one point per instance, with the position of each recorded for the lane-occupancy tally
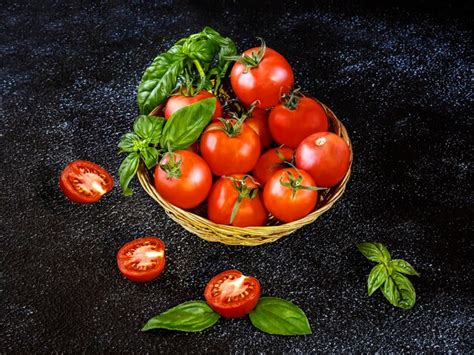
(196, 222)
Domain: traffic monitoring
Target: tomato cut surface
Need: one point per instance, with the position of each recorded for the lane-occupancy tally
(232, 294)
(142, 259)
(85, 182)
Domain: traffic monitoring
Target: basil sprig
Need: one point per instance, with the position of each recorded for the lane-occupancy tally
(201, 55)
(192, 316)
(389, 276)
(152, 135)
(277, 316)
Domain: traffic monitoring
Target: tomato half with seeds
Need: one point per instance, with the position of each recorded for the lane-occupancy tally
(85, 182)
(271, 161)
(232, 294)
(176, 102)
(142, 259)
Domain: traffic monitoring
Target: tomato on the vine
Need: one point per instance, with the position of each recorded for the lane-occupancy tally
(142, 259)
(236, 200)
(325, 156)
(261, 74)
(230, 147)
(290, 194)
(295, 119)
(232, 294)
(175, 102)
(271, 161)
(258, 120)
(85, 182)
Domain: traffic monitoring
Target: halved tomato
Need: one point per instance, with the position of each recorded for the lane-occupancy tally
(142, 259)
(85, 182)
(232, 294)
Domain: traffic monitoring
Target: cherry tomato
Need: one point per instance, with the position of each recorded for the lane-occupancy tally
(183, 178)
(325, 156)
(142, 259)
(261, 74)
(230, 148)
(236, 200)
(289, 126)
(85, 182)
(271, 161)
(176, 102)
(290, 194)
(232, 294)
(259, 123)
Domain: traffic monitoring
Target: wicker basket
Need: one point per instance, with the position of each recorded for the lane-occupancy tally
(196, 222)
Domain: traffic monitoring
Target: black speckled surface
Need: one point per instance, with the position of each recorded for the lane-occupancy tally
(399, 78)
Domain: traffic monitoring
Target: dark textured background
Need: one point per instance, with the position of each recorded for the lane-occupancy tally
(398, 77)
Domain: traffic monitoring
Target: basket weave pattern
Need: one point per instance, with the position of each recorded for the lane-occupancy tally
(196, 222)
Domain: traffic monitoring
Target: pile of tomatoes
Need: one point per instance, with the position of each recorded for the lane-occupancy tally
(270, 157)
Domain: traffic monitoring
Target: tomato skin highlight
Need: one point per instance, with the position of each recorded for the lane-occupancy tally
(191, 188)
(230, 155)
(279, 201)
(223, 294)
(266, 82)
(259, 123)
(325, 156)
(290, 127)
(142, 259)
(83, 181)
(176, 102)
(269, 162)
(223, 197)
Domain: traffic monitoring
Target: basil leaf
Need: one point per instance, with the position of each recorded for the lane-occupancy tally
(186, 125)
(150, 156)
(149, 128)
(374, 252)
(159, 80)
(390, 291)
(403, 267)
(128, 143)
(192, 316)
(227, 48)
(277, 316)
(127, 171)
(405, 289)
(377, 277)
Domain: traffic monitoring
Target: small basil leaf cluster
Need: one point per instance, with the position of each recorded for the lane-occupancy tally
(200, 56)
(271, 315)
(152, 135)
(389, 276)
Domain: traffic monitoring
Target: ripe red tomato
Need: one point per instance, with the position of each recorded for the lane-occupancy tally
(183, 178)
(142, 259)
(176, 102)
(85, 182)
(259, 123)
(290, 194)
(261, 74)
(271, 161)
(289, 126)
(230, 148)
(325, 156)
(232, 294)
(236, 200)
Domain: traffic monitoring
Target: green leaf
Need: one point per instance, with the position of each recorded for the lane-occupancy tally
(403, 267)
(374, 252)
(277, 316)
(390, 291)
(405, 289)
(128, 143)
(377, 277)
(186, 125)
(192, 316)
(149, 156)
(159, 80)
(149, 128)
(127, 171)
